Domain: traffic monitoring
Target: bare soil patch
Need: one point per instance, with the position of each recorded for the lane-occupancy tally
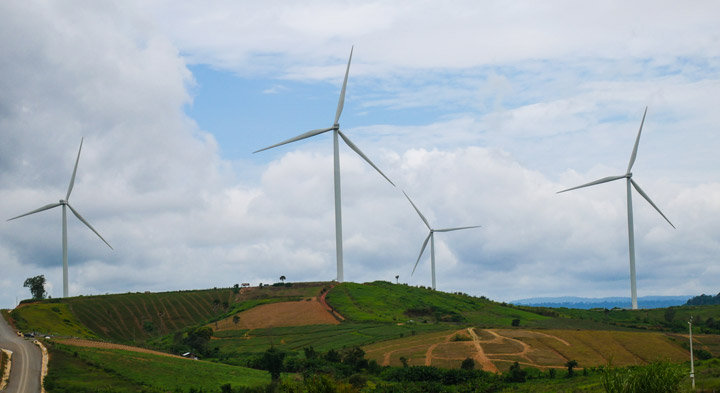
(299, 313)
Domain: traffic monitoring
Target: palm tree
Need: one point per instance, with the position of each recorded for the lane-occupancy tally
(282, 278)
(396, 279)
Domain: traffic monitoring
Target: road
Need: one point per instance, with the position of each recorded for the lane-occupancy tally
(26, 361)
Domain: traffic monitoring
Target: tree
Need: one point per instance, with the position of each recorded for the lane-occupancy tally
(404, 361)
(516, 374)
(397, 279)
(272, 361)
(282, 278)
(468, 364)
(670, 314)
(236, 319)
(515, 322)
(37, 286)
(236, 288)
(570, 365)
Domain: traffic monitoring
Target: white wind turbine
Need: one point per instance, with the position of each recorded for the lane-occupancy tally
(336, 160)
(65, 203)
(431, 237)
(629, 182)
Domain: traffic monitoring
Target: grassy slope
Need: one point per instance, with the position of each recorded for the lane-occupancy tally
(50, 318)
(127, 371)
(382, 301)
(139, 317)
(320, 337)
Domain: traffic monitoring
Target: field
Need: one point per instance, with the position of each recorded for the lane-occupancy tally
(50, 318)
(139, 317)
(392, 323)
(496, 349)
(77, 369)
(320, 337)
(382, 301)
(298, 313)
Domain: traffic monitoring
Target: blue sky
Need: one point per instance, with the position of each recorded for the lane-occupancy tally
(480, 111)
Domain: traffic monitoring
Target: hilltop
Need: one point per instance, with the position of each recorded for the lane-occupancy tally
(392, 324)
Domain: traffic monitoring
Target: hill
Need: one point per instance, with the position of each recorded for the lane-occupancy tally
(390, 323)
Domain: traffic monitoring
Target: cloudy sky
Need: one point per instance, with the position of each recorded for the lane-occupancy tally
(480, 111)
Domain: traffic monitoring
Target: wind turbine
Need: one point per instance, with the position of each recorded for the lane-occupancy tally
(336, 160)
(630, 182)
(65, 203)
(431, 237)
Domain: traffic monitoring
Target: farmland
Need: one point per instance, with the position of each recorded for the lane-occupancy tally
(76, 369)
(393, 324)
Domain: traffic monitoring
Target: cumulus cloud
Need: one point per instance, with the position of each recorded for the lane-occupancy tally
(514, 126)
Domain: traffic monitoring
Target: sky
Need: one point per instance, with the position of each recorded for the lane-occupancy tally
(480, 110)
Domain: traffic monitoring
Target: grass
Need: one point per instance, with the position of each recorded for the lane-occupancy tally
(232, 343)
(79, 369)
(381, 301)
(141, 317)
(50, 318)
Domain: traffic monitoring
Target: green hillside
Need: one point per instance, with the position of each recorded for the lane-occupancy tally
(139, 317)
(381, 301)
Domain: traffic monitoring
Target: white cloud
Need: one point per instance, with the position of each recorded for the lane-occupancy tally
(518, 121)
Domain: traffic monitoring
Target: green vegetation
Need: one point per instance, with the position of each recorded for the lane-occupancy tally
(235, 345)
(75, 369)
(381, 301)
(50, 319)
(37, 286)
(706, 319)
(658, 377)
(396, 324)
(704, 300)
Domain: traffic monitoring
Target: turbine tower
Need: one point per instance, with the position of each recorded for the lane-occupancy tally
(630, 183)
(66, 203)
(336, 161)
(431, 237)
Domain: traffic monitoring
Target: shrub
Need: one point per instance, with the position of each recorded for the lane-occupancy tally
(658, 377)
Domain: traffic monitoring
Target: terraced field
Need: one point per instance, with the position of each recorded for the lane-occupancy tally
(139, 317)
(497, 349)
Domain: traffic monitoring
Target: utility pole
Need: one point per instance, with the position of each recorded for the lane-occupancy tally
(692, 360)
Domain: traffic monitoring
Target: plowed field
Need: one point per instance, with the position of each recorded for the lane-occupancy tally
(300, 313)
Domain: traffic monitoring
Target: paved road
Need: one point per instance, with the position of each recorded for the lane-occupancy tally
(26, 361)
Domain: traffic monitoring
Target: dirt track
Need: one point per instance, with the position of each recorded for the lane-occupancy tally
(97, 344)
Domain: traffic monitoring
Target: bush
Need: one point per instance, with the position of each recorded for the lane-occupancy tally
(658, 377)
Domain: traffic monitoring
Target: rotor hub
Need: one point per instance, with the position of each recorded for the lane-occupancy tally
(336, 127)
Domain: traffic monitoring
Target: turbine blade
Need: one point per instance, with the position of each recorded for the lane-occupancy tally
(637, 142)
(341, 101)
(361, 154)
(592, 183)
(427, 239)
(46, 207)
(72, 179)
(418, 212)
(88, 225)
(647, 198)
(456, 229)
(297, 138)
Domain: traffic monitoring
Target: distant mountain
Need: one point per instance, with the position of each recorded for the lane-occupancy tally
(603, 302)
